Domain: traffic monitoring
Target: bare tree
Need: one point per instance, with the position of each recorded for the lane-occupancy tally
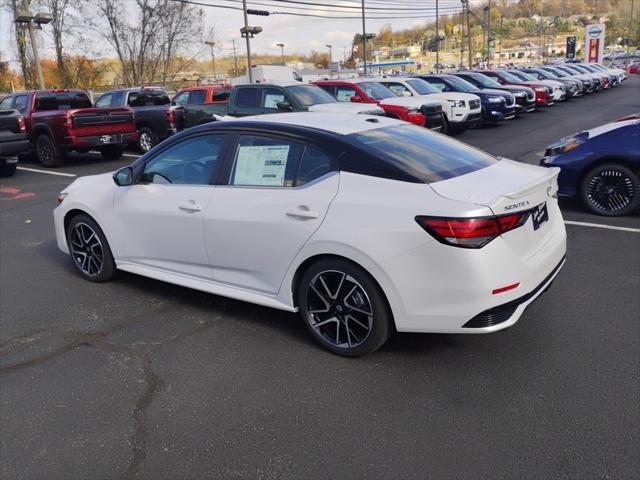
(16, 7)
(60, 10)
(148, 36)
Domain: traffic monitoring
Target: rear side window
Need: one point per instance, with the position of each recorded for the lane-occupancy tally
(330, 89)
(314, 164)
(421, 154)
(62, 101)
(271, 98)
(221, 95)
(397, 88)
(148, 98)
(265, 162)
(247, 98)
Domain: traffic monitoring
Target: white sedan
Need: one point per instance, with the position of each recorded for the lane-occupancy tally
(363, 224)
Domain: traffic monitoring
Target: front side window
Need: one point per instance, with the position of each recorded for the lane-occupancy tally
(344, 93)
(422, 154)
(271, 98)
(265, 162)
(5, 104)
(104, 101)
(198, 97)
(189, 162)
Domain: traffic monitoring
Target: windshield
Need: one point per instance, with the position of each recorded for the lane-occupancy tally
(557, 72)
(509, 77)
(422, 87)
(421, 153)
(545, 74)
(485, 81)
(461, 84)
(376, 91)
(308, 95)
(580, 68)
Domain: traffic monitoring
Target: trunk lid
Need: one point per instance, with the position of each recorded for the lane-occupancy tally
(96, 121)
(509, 187)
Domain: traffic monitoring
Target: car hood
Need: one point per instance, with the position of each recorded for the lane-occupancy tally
(344, 107)
(409, 102)
(491, 91)
(89, 180)
(451, 96)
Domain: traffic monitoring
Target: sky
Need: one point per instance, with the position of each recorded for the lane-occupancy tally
(299, 34)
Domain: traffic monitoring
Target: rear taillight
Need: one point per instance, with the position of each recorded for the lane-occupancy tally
(170, 116)
(67, 121)
(21, 125)
(471, 232)
(416, 118)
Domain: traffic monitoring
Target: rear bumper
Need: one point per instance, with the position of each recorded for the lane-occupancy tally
(101, 140)
(14, 147)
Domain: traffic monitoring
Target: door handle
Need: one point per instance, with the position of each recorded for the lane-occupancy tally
(305, 214)
(190, 207)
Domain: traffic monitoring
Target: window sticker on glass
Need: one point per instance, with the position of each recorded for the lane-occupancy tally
(271, 100)
(263, 165)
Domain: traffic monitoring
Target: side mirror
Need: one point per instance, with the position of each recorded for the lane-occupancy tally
(406, 93)
(284, 105)
(123, 177)
(356, 99)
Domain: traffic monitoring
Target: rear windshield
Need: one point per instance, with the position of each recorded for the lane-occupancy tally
(62, 101)
(427, 156)
(148, 98)
(307, 95)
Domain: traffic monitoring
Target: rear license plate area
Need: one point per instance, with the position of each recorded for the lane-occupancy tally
(105, 139)
(539, 215)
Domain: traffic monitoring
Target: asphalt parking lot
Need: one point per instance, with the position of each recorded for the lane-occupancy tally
(140, 379)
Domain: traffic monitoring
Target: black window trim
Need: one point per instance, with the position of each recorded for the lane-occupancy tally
(139, 165)
(225, 176)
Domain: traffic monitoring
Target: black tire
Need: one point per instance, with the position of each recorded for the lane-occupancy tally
(91, 255)
(8, 169)
(112, 152)
(47, 152)
(146, 140)
(358, 309)
(446, 128)
(611, 190)
(481, 123)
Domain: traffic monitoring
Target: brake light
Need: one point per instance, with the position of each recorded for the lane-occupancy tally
(170, 116)
(21, 124)
(471, 232)
(416, 117)
(67, 121)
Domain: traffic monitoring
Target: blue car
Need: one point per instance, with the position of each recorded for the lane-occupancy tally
(601, 166)
(497, 105)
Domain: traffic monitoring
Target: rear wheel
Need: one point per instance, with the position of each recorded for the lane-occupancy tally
(89, 249)
(112, 152)
(47, 152)
(610, 190)
(8, 169)
(146, 140)
(446, 128)
(343, 308)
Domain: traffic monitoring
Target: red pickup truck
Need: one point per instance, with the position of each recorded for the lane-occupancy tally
(416, 110)
(61, 121)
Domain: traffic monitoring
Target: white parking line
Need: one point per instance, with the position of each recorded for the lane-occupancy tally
(61, 174)
(599, 225)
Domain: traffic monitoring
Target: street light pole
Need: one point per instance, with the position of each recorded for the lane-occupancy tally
(235, 59)
(364, 41)
(437, 41)
(281, 45)
(330, 55)
(246, 26)
(40, 19)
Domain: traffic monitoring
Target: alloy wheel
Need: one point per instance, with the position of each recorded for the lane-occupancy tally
(339, 309)
(45, 151)
(145, 141)
(86, 249)
(610, 190)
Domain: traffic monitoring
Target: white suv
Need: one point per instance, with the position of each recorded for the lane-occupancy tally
(462, 110)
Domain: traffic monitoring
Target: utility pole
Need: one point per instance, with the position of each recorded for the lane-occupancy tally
(469, 35)
(211, 44)
(246, 26)
(437, 41)
(235, 59)
(364, 41)
(489, 33)
(281, 45)
(501, 20)
(629, 37)
(34, 43)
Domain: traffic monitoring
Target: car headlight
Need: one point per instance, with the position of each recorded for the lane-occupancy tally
(493, 99)
(456, 103)
(61, 197)
(564, 146)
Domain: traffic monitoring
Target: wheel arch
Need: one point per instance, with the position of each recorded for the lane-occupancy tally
(74, 212)
(308, 262)
(41, 129)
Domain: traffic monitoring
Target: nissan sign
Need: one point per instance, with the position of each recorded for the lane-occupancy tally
(594, 43)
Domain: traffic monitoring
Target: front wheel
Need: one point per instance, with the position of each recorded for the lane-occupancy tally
(89, 249)
(112, 152)
(146, 140)
(343, 308)
(611, 190)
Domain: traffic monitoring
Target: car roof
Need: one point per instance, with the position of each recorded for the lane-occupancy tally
(348, 80)
(274, 83)
(338, 123)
